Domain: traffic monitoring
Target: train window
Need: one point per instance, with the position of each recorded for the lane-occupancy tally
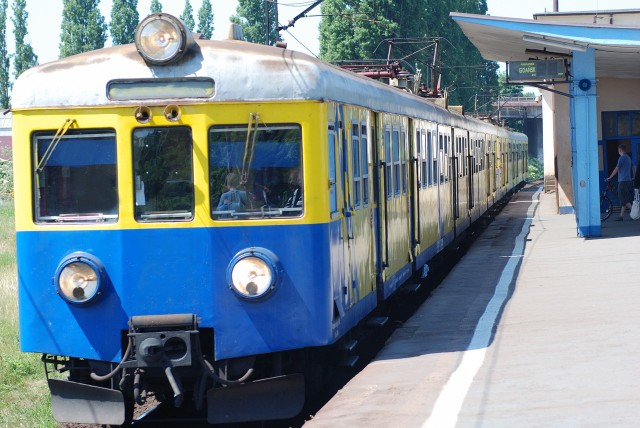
(256, 172)
(403, 160)
(163, 174)
(333, 196)
(433, 171)
(364, 147)
(465, 152)
(388, 162)
(426, 156)
(355, 162)
(75, 176)
(441, 157)
(418, 144)
(396, 162)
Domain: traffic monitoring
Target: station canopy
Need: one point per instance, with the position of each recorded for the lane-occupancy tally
(617, 49)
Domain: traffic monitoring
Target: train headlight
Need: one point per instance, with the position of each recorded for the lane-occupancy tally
(80, 278)
(254, 273)
(162, 39)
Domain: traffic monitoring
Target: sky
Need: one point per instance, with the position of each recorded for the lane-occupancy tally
(45, 17)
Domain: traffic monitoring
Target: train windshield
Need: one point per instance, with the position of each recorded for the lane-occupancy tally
(163, 174)
(255, 172)
(75, 176)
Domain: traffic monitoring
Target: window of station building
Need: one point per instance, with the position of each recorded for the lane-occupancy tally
(355, 162)
(75, 176)
(163, 174)
(256, 173)
(364, 147)
(620, 124)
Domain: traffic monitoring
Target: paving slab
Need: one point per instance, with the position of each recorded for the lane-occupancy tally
(533, 327)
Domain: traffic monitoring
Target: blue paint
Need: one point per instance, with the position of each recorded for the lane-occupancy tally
(584, 145)
(158, 271)
(607, 36)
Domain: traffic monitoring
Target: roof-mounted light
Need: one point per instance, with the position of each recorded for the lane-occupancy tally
(162, 39)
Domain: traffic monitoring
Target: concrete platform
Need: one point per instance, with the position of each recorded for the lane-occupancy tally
(533, 328)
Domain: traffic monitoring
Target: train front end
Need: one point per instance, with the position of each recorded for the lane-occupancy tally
(169, 243)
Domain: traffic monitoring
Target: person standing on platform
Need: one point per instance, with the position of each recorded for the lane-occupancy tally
(624, 171)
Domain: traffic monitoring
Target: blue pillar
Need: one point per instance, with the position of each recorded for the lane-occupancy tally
(584, 143)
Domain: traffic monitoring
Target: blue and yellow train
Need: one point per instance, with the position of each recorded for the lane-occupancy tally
(193, 215)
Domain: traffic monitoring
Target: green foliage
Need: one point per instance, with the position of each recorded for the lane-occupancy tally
(156, 6)
(187, 15)
(250, 14)
(24, 58)
(506, 89)
(124, 19)
(6, 177)
(205, 19)
(5, 84)
(24, 396)
(535, 169)
(83, 28)
(356, 30)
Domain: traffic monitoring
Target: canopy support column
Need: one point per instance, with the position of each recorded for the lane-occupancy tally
(584, 144)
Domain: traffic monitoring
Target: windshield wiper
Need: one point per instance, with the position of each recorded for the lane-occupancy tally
(54, 143)
(249, 145)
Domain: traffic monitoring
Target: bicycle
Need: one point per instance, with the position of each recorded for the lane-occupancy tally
(606, 206)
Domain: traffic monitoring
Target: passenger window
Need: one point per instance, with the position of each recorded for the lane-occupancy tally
(403, 157)
(365, 165)
(266, 166)
(75, 176)
(163, 174)
(355, 163)
(426, 158)
(388, 162)
(396, 162)
(331, 141)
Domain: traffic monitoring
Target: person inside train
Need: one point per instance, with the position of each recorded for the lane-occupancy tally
(233, 199)
(293, 195)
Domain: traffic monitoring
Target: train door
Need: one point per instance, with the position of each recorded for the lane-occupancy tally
(347, 282)
(455, 176)
(360, 238)
(350, 287)
(338, 279)
(414, 184)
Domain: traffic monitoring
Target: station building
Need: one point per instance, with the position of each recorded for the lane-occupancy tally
(587, 116)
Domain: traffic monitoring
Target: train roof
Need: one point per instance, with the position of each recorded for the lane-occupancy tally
(241, 71)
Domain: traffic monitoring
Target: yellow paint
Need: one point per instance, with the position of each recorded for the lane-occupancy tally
(199, 117)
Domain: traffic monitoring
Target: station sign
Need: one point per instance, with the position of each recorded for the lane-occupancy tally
(551, 70)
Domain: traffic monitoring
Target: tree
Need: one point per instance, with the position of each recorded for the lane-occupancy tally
(156, 6)
(83, 27)
(356, 30)
(24, 57)
(187, 15)
(5, 84)
(205, 19)
(124, 19)
(250, 14)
